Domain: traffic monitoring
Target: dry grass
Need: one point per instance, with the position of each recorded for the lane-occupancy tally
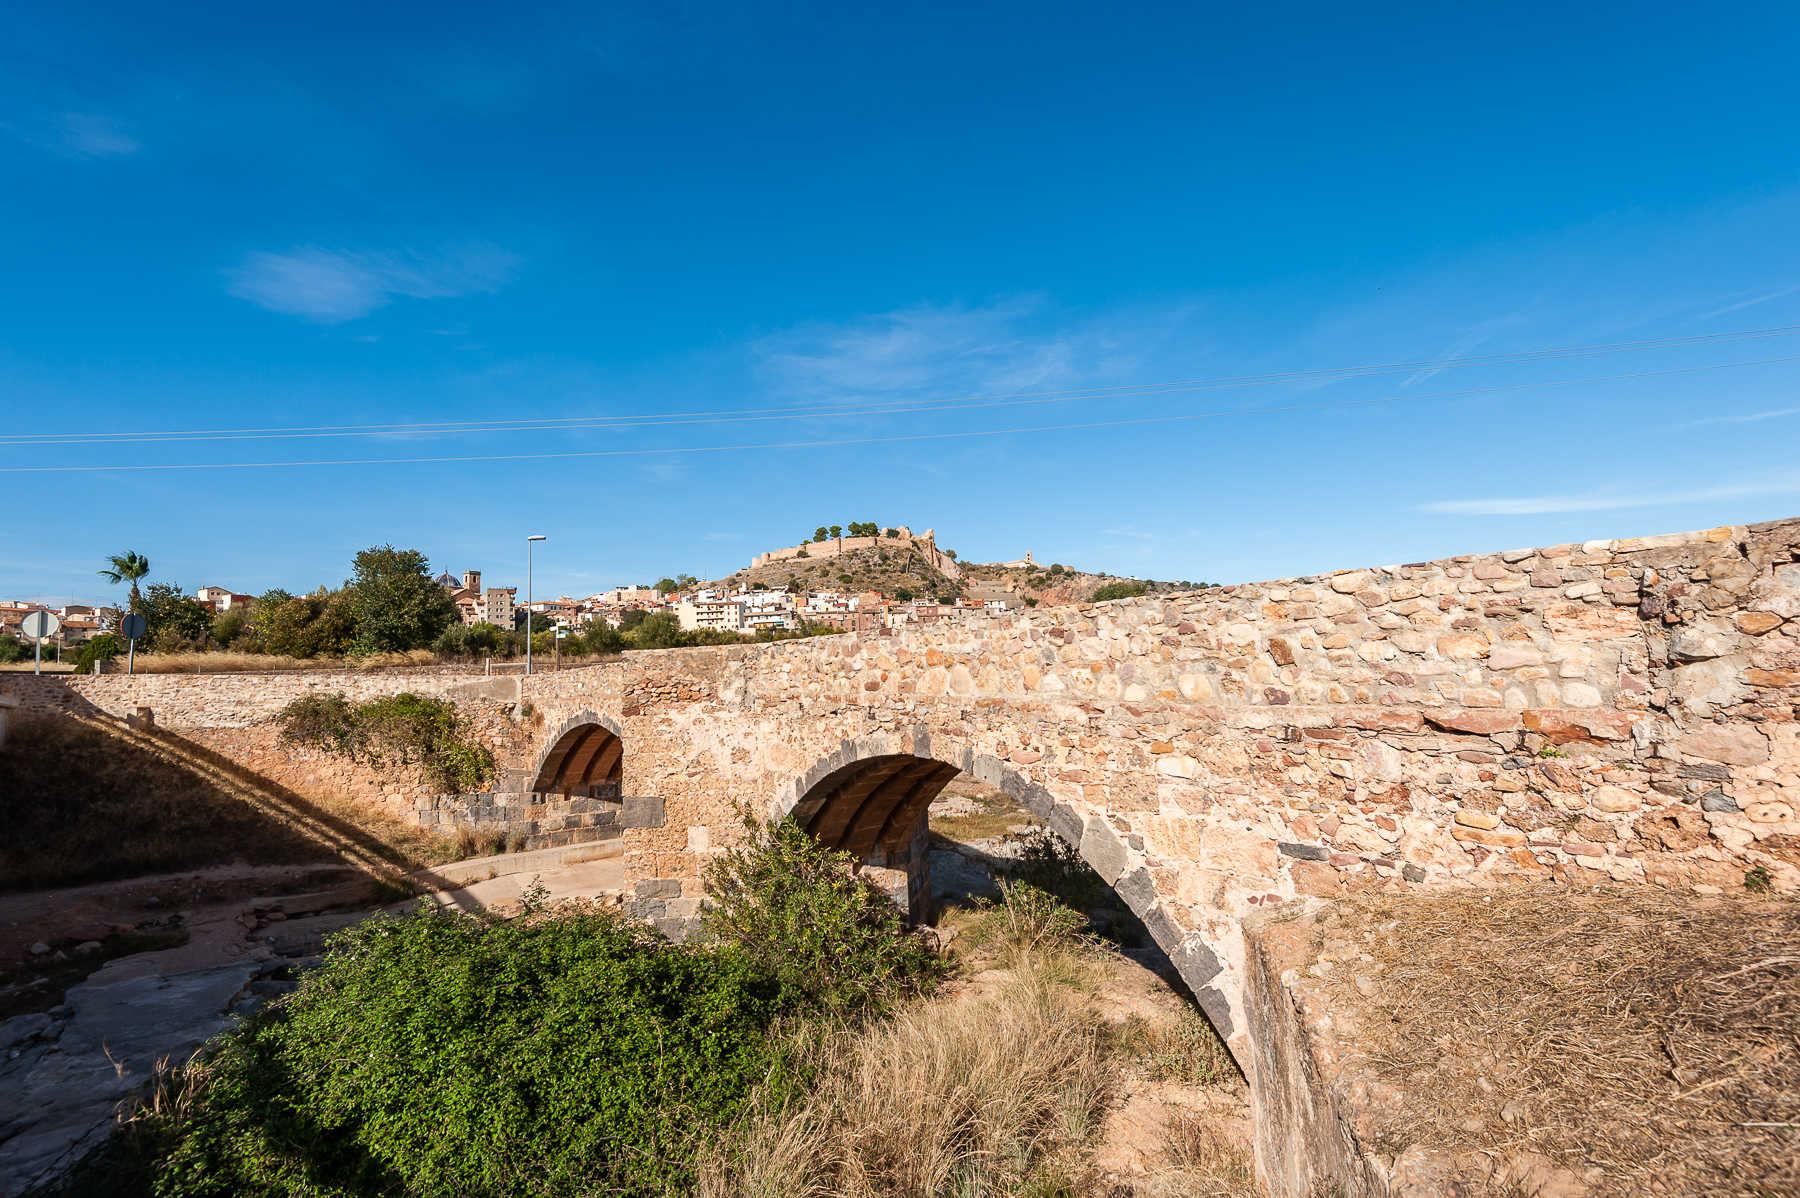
(1647, 1041)
(1186, 1050)
(992, 1096)
(260, 663)
(1206, 1163)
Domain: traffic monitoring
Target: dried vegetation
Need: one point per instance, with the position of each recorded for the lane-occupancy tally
(1636, 1041)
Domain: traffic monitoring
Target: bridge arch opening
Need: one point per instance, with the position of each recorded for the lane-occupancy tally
(872, 799)
(584, 759)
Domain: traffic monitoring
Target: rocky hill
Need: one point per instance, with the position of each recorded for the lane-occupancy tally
(905, 568)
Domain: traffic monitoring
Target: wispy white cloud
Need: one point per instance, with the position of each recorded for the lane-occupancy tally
(1746, 418)
(1017, 344)
(95, 136)
(1540, 505)
(332, 286)
(912, 348)
(1751, 302)
(1135, 534)
(76, 135)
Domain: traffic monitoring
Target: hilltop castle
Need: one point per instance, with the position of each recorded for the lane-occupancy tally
(836, 546)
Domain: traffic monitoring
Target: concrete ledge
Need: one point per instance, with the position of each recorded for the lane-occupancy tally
(477, 869)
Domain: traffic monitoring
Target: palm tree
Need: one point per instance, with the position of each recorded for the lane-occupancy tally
(127, 567)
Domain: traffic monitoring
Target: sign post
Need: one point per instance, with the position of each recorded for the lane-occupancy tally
(133, 626)
(39, 625)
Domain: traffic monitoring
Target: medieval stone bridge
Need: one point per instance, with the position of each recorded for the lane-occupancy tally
(1619, 711)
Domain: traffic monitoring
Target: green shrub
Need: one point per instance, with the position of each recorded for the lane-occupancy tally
(1118, 590)
(1025, 917)
(443, 1054)
(104, 647)
(1049, 863)
(321, 721)
(402, 729)
(834, 941)
(12, 649)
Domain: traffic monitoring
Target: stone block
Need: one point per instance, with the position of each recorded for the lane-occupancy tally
(1304, 852)
(642, 811)
(1136, 889)
(1102, 849)
(1066, 823)
(1730, 744)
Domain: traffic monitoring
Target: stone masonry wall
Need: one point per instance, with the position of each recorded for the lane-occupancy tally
(1618, 711)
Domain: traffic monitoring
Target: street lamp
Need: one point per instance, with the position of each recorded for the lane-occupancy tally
(528, 541)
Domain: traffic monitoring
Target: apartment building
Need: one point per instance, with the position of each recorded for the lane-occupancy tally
(716, 614)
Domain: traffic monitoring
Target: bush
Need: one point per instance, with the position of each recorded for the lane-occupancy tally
(445, 1054)
(104, 647)
(1118, 590)
(834, 941)
(1049, 863)
(12, 649)
(1027, 918)
(321, 721)
(402, 729)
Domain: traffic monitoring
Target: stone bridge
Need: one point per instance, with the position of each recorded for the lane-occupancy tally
(1616, 711)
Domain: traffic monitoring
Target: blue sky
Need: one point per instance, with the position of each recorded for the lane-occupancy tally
(223, 219)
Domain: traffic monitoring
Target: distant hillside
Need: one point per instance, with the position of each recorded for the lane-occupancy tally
(884, 569)
(898, 567)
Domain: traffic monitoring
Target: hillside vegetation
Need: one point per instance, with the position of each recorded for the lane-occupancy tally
(901, 571)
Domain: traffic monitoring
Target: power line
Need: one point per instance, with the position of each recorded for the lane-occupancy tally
(888, 408)
(848, 441)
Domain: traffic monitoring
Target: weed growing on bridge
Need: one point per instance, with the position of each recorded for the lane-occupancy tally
(402, 729)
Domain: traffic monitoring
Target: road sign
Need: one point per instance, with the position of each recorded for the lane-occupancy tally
(133, 626)
(39, 625)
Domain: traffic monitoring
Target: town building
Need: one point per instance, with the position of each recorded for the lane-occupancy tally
(714, 613)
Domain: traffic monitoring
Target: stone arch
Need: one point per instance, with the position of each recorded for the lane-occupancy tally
(859, 794)
(584, 757)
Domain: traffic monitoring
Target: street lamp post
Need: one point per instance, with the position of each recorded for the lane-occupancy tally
(528, 541)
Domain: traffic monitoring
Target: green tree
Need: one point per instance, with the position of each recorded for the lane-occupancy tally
(230, 627)
(666, 586)
(317, 625)
(597, 636)
(177, 621)
(632, 618)
(130, 566)
(821, 533)
(837, 532)
(396, 604)
(659, 630)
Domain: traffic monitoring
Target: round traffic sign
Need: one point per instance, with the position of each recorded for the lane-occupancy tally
(133, 626)
(38, 625)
